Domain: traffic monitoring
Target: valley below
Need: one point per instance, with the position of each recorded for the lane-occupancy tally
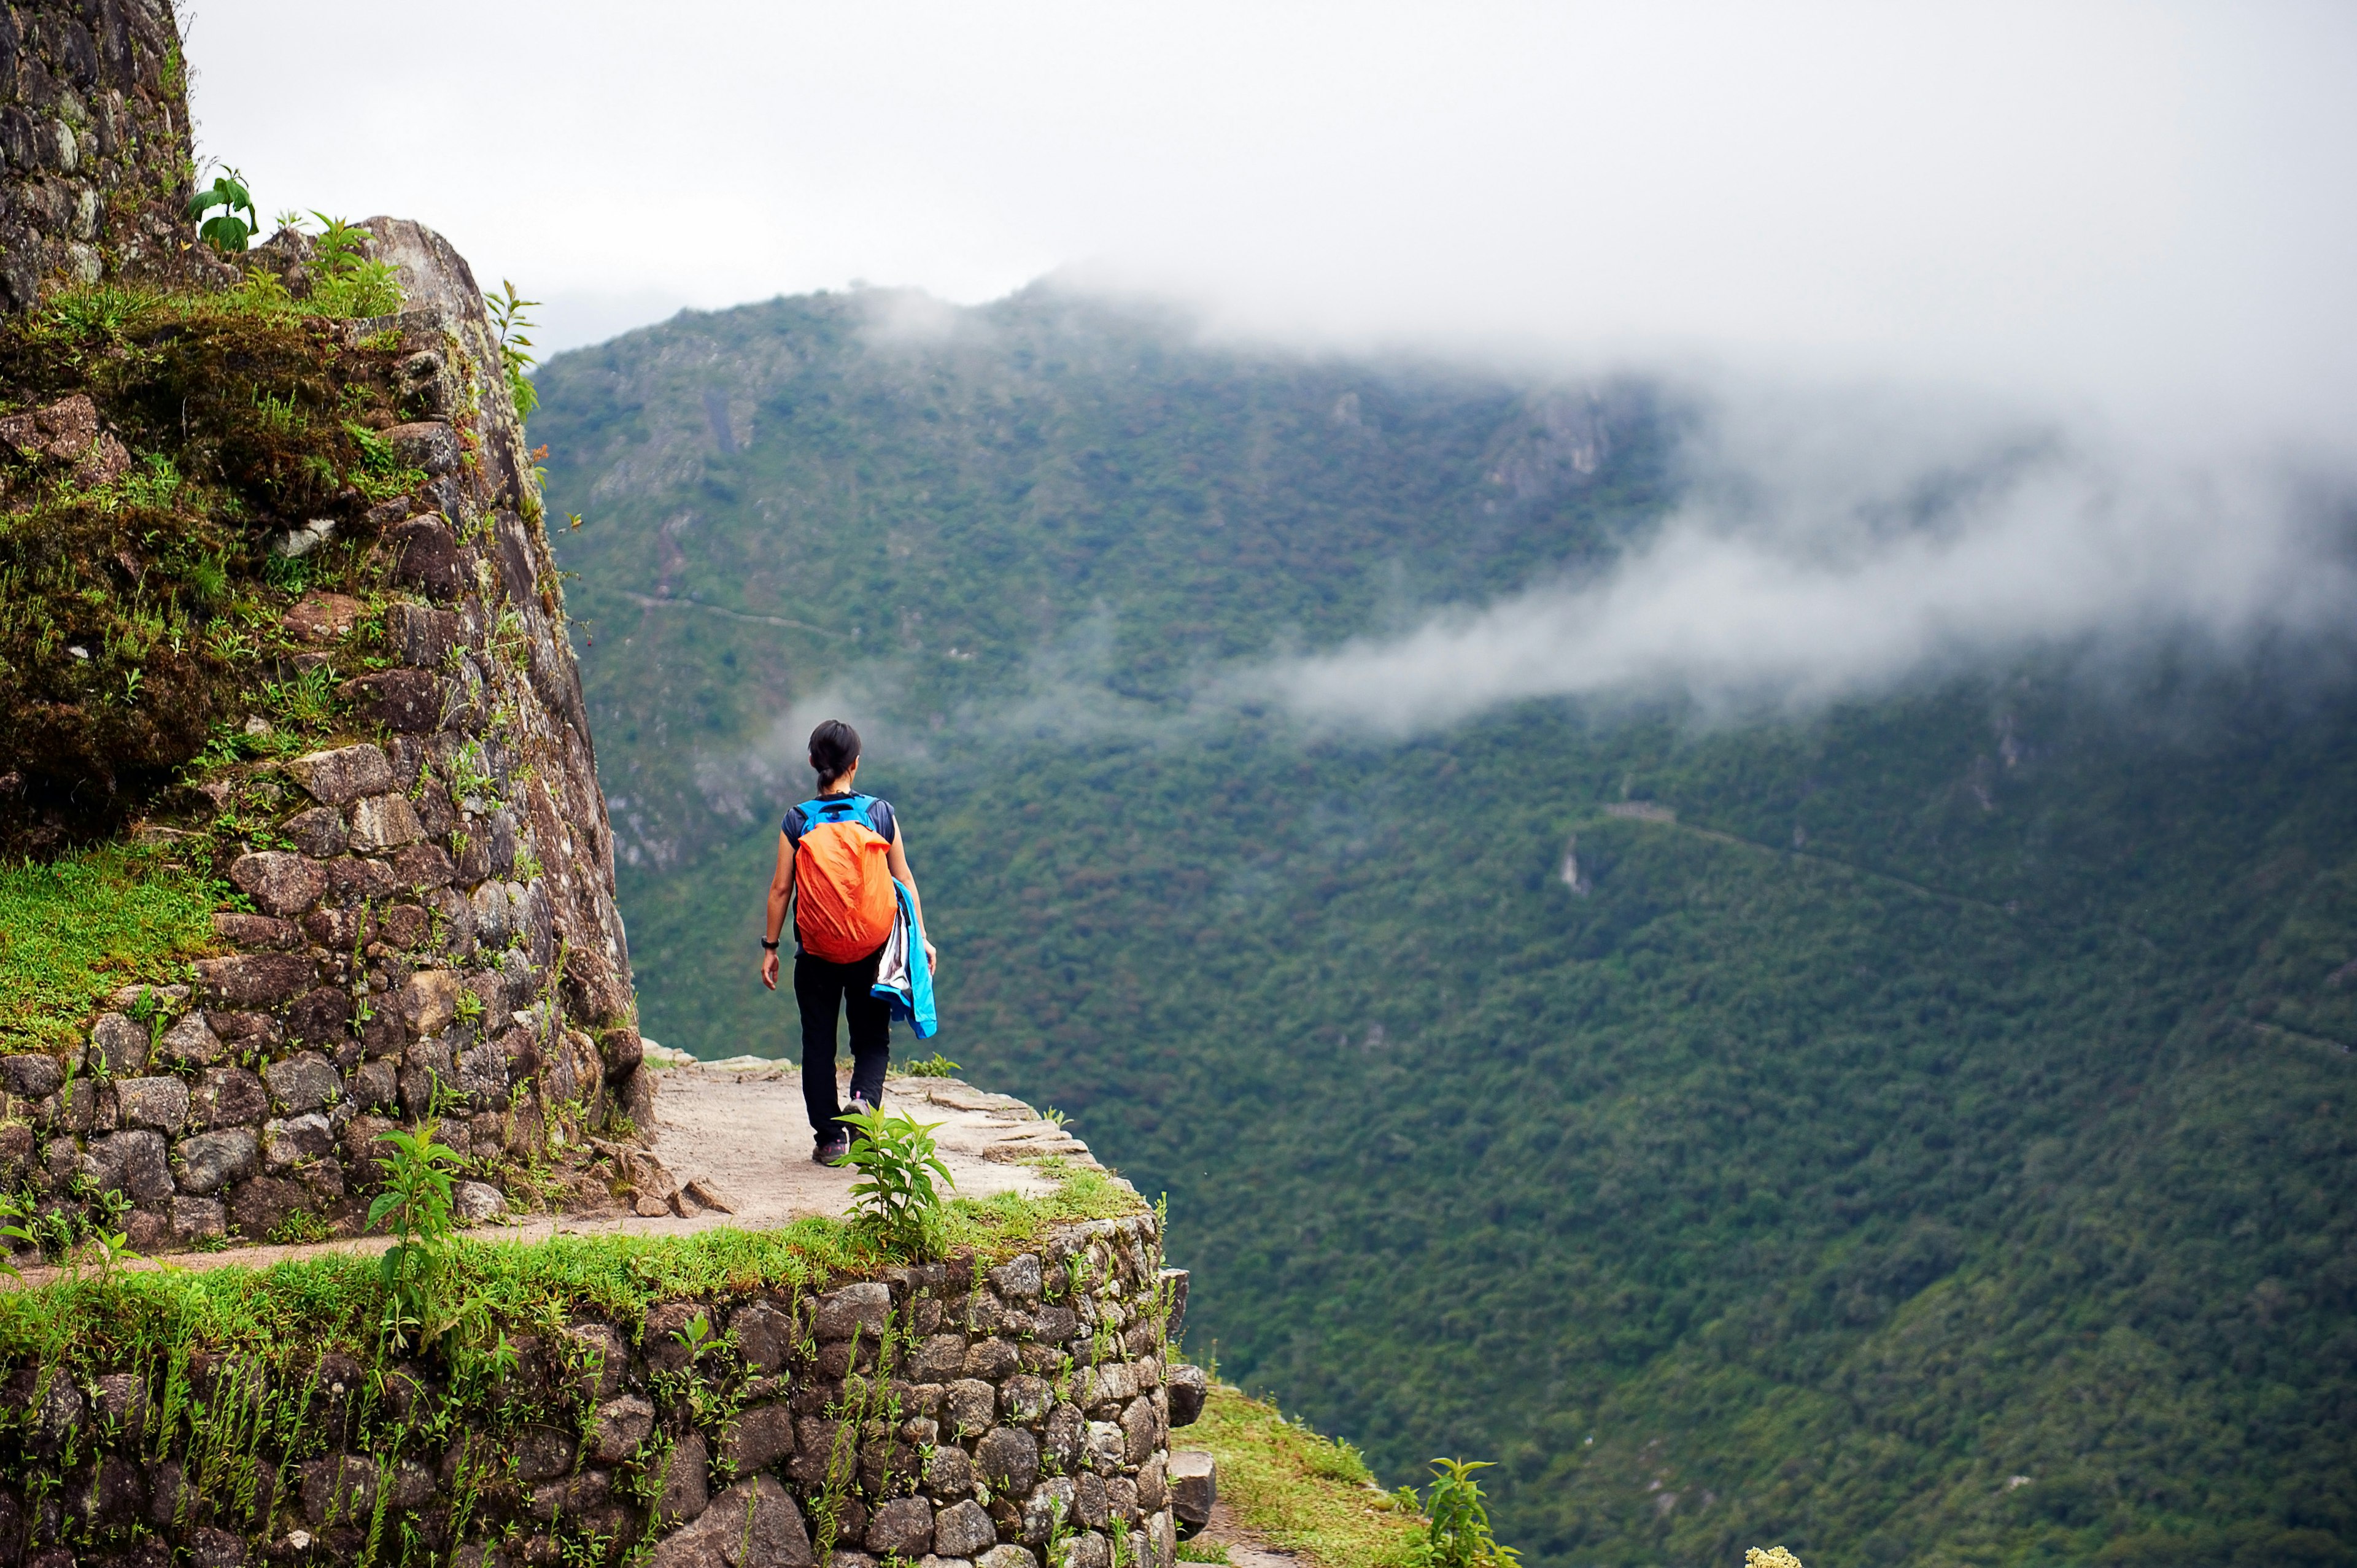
(1911, 1128)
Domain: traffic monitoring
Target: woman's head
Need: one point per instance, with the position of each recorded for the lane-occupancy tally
(833, 751)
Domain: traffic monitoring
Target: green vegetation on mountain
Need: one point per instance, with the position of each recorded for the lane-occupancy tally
(1917, 1137)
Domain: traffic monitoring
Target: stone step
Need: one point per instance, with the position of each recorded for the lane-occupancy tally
(1194, 1488)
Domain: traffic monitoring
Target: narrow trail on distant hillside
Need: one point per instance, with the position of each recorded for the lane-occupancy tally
(649, 602)
(1660, 817)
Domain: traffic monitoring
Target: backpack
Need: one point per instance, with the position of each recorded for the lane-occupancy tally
(844, 900)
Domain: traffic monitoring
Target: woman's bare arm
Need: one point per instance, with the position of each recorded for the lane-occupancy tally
(781, 892)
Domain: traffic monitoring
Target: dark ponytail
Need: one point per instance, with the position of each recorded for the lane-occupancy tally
(833, 748)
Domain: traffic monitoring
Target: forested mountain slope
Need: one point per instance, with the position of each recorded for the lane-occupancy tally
(1798, 1130)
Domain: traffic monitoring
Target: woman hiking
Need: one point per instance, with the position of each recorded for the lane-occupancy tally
(839, 856)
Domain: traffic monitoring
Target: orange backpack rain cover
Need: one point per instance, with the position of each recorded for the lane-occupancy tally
(843, 879)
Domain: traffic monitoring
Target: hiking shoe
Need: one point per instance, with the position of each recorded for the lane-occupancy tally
(857, 1107)
(832, 1149)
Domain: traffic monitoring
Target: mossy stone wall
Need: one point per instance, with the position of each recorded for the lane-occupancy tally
(956, 1414)
(429, 930)
(94, 155)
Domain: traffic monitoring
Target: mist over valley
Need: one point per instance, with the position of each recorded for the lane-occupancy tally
(1733, 947)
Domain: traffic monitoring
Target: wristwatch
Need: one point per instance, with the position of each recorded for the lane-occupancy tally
(767, 945)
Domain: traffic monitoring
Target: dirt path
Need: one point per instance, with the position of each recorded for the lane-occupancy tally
(736, 1132)
(740, 1127)
(1245, 1550)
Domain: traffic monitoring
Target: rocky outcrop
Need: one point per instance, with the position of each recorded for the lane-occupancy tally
(95, 160)
(429, 930)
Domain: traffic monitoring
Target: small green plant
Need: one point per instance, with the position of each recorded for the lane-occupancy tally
(225, 231)
(934, 1065)
(1055, 1118)
(508, 320)
(1201, 1552)
(306, 701)
(151, 485)
(412, 1272)
(1060, 1535)
(347, 283)
(697, 1338)
(471, 779)
(96, 310)
(380, 475)
(470, 1007)
(1459, 1533)
(895, 1194)
(23, 1229)
(61, 1237)
(207, 580)
(299, 1228)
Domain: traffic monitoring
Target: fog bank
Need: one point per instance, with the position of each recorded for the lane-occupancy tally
(1829, 546)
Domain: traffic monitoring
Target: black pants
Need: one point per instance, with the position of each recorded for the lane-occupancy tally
(818, 988)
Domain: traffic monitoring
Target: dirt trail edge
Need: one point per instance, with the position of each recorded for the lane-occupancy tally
(732, 1146)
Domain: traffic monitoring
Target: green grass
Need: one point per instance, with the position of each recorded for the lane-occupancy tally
(76, 929)
(1303, 1493)
(331, 1298)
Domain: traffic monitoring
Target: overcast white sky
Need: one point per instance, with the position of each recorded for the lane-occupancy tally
(2117, 204)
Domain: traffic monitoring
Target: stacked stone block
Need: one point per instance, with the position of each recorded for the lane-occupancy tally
(942, 1415)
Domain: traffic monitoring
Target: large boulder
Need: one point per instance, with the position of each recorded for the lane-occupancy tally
(759, 1437)
(305, 1081)
(1009, 1458)
(1194, 1486)
(228, 1097)
(426, 555)
(133, 1164)
(118, 1043)
(901, 1528)
(1189, 1386)
(864, 1307)
(159, 1104)
(963, 1530)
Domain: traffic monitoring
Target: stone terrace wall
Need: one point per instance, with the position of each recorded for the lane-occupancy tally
(441, 936)
(94, 161)
(928, 1417)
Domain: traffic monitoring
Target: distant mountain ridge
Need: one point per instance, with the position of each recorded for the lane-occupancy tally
(875, 435)
(1894, 1101)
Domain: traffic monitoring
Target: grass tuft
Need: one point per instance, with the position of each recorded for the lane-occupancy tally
(1305, 1494)
(333, 1299)
(75, 929)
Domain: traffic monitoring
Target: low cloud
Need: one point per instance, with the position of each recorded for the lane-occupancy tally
(1835, 547)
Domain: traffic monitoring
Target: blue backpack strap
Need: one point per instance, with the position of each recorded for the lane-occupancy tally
(838, 809)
